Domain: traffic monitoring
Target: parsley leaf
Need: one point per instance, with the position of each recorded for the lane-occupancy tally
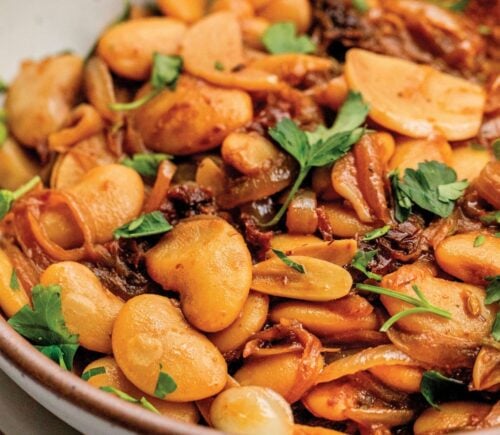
(322, 147)
(288, 261)
(145, 403)
(93, 372)
(495, 331)
(282, 38)
(422, 305)
(45, 327)
(145, 225)
(361, 261)
(14, 282)
(7, 197)
(4, 132)
(496, 148)
(218, 65)
(479, 241)
(3, 87)
(165, 385)
(145, 164)
(432, 187)
(452, 5)
(491, 218)
(165, 73)
(360, 5)
(492, 289)
(434, 385)
(375, 234)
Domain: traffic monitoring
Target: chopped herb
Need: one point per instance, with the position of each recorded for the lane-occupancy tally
(459, 6)
(14, 282)
(497, 235)
(492, 290)
(432, 187)
(45, 327)
(93, 372)
(145, 403)
(289, 262)
(496, 148)
(491, 218)
(484, 30)
(4, 133)
(361, 261)
(434, 385)
(145, 225)
(145, 164)
(7, 197)
(219, 66)
(322, 147)
(479, 241)
(375, 234)
(360, 5)
(165, 385)
(282, 38)
(165, 73)
(477, 146)
(3, 87)
(495, 330)
(422, 305)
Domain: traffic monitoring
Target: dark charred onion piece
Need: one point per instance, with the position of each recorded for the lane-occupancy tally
(296, 339)
(370, 173)
(188, 199)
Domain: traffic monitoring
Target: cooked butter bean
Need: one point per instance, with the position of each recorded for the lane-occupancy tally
(185, 10)
(213, 286)
(322, 281)
(16, 166)
(252, 411)
(458, 256)
(488, 183)
(344, 221)
(301, 216)
(297, 11)
(88, 308)
(468, 162)
(128, 47)
(151, 335)
(402, 378)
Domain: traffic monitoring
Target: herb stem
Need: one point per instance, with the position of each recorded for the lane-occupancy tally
(25, 188)
(117, 107)
(391, 321)
(387, 292)
(304, 171)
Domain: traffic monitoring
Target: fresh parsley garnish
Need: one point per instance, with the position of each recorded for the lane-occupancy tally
(495, 330)
(145, 225)
(492, 289)
(145, 403)
(7, 197)
(491, 218)
(165, 73)
(321, 147)
(4, 132)
(165, 385)
(360, 5)
(432, 187)
(45, 327)
(479, 241)
(282, 38)
(288, 261)
(484, 30)
(452, 5)
(422, 305)
(145, 164)
(375, 234)
(434, 385)
(496, 148)
(4, 87)
(361, 261)
(218, 65)
(93, 372)
(14, 282)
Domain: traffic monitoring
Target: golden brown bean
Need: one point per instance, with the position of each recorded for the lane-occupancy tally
(16, 166)
(88, 308)
(211, 176)
(331, 94)
(252, 411)
(488, 184)
(213, 286)
(151, 335)
(11, 299)
(301, 217)
(458, 256)
(114, 377)
(468, 162)
(249, 321)
(186, 10)
(402, 378)
(128, 47)
(253, 29)
(322, 281)
(241, 8)
(344, 221)
(297, 11)
(41, 96)
(213, 114)
(322, 183)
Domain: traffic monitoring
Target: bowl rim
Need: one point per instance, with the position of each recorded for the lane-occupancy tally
(66, 385)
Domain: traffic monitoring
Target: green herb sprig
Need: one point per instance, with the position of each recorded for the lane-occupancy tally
(361, 261)
(479, 241)
(434, 385)
(165, 384)
(145, 164)
(289, 262)
(7, 197)
(165, 73)
(493, 296)
(44, 326)
(321, 147)
(145, 403)
(146, 225)
(93, 372)
(360, 5)
(496, 148)
(282, 38)
(491, 218)
(375, 234)
(14, 281)
(422, 305)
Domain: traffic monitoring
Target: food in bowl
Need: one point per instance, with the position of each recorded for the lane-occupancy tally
(265, 216)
